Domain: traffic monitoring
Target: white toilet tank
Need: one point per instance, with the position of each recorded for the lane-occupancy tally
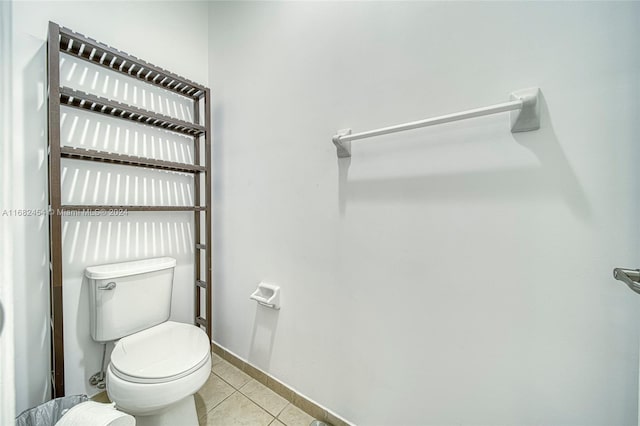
(127, 297)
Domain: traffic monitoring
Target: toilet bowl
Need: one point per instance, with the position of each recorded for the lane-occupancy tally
(156, 365)
(151, 372)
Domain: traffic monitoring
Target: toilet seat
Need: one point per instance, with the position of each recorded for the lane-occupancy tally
(163, 353)
(145, 399)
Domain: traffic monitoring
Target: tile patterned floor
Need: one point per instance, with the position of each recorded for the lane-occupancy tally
(232, 398)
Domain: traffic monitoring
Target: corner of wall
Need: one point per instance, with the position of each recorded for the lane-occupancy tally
(7, 380)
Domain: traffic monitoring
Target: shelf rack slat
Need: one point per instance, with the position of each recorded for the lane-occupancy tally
(82, 100)
(129, 160)
(133, 208)
(106, 56)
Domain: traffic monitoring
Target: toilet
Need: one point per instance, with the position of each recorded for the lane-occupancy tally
(156, 365)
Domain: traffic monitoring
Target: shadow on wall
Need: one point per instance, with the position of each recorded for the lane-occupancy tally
(131, 236)
(265, 322)
(263, 336)
(553, 176)
(89, 77)
(36, 271)
(107, 184)
(84, 129)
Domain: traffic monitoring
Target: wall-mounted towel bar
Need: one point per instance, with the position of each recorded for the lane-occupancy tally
(525, 116)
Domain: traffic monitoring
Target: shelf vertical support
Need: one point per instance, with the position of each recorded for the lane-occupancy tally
(55, 219)
(197, 233)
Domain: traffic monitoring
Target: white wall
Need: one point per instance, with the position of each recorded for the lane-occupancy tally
(172, 35)
(7, 382)
(459, 274)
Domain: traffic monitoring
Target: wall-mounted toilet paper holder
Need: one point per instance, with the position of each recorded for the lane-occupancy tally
(267, 295)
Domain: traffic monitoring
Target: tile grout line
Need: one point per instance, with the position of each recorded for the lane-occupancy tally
(221, 378)
(260, 407)
(226, 381)
(216, 406)
(250, 400)
(282, 411)
(270, 390)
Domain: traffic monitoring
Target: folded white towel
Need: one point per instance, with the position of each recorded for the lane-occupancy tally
(92, 413)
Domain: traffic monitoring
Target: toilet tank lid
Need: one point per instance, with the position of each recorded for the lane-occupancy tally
(123, 269)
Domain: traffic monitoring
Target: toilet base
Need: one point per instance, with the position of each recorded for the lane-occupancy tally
(181, 413)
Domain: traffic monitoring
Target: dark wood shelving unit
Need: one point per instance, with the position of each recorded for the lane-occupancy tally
(64, 41)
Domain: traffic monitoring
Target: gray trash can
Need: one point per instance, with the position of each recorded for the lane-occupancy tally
(50, 412)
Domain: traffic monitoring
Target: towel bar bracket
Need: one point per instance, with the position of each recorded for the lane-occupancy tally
(343, 147)
(527, 118)
(631, 277)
